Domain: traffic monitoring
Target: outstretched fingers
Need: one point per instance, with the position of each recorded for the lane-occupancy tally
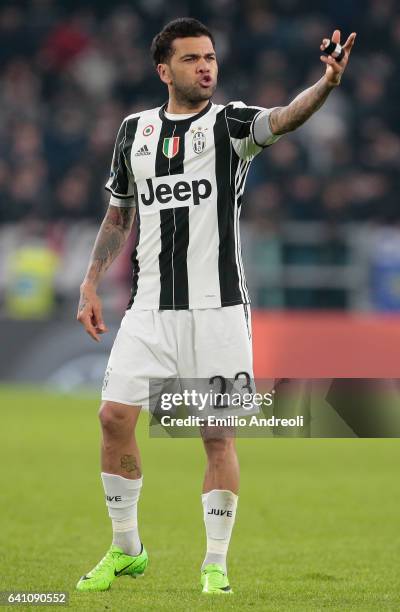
(350, 42)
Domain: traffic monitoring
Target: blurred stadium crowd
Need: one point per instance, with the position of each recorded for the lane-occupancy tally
(70, 71)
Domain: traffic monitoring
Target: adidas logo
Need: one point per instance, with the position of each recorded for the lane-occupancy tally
(143, 151)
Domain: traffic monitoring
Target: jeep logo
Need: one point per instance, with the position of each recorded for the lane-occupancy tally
(180, 191)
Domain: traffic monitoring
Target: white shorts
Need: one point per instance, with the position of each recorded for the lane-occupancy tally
(176, 344)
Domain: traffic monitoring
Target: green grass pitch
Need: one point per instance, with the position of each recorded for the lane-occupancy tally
(317, 525)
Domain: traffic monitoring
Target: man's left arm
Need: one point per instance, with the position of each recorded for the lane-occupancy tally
(288, 118)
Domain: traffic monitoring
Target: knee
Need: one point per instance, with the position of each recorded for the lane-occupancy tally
(218, 449)
(114, 419)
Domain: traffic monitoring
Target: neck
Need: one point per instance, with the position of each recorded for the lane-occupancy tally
(177, 107)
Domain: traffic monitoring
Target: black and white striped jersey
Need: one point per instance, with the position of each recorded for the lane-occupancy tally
(186, 177)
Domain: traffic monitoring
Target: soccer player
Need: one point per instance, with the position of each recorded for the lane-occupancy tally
(179, 170)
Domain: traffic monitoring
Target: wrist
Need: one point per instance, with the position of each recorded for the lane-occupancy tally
(331, 84)
(88, 285)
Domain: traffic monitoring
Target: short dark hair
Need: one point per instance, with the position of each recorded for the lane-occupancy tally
(185, 27)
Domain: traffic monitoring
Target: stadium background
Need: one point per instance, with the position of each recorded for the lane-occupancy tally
(320, 217)
(321, 245)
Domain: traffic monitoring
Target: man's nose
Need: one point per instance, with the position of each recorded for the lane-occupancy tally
(203, 66)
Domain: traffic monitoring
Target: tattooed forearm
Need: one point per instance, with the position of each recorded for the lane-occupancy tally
(129, 463)
(110, 240)
(288, 118)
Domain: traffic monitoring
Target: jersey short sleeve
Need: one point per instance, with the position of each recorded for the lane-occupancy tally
(249, 129)
(121, 183)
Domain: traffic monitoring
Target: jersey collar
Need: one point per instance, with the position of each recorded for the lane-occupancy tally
(183, 121)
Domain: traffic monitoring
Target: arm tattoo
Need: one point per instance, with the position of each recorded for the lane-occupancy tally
(113, 234)
(288, 118)
(129, 463)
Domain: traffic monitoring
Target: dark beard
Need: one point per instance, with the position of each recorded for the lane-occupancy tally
(191, 96)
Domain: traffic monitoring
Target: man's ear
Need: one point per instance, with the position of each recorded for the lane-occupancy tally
(164, 73)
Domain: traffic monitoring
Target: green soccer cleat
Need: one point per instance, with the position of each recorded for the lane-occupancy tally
(214, 580)
(114, 564)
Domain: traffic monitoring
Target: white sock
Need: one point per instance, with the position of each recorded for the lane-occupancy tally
(219, 517)
(122, 495)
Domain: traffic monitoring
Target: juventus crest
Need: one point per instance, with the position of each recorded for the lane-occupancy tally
(199, 140)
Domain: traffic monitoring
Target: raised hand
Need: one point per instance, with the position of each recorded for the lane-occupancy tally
(334, 69)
